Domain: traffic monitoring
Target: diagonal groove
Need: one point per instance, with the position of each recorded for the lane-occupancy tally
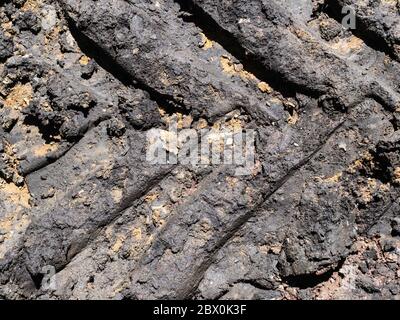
(239, 223)
(249, 60)
(383, 212)
(128, 203)
(58, 154)
(333, 9)
(94, 51)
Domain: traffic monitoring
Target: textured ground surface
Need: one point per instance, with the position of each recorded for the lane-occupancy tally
(81, 83)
